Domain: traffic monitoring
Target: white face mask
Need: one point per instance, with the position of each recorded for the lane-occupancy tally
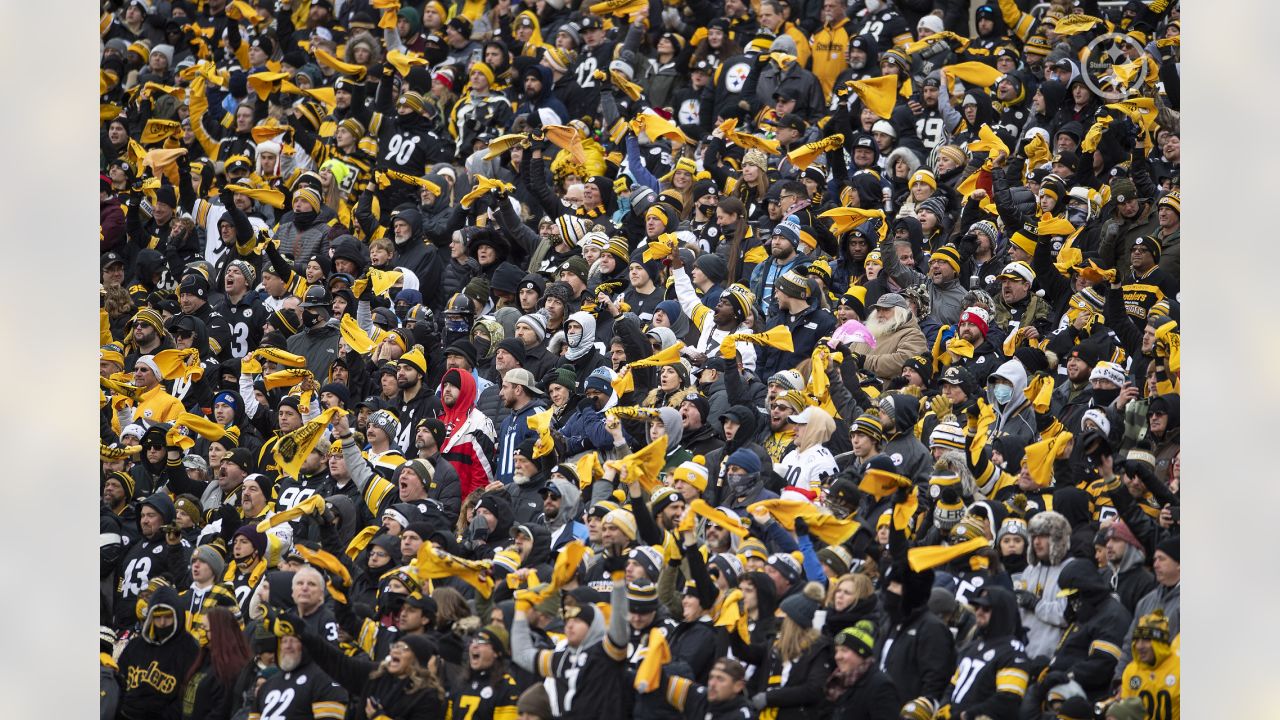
(575, 337)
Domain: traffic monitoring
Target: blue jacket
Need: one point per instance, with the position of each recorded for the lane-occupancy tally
(765, 276)
(807, 328)
(515, 431)
(584, 430)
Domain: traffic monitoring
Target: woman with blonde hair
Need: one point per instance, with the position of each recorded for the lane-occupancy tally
(404, 684)
(850, 598)
(796, 665)
(810, 462)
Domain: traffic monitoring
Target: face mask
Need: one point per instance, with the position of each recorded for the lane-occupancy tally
(1077, 216)
(893, 606)
(1002, 393)
(305, 219)
(456, 324)
(310, 318)
(1105, 397)
(574, 337)
(624, 204)
(1073, 610)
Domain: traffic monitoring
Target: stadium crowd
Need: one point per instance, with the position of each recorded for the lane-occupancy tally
(777, 359)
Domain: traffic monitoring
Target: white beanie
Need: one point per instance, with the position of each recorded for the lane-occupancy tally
(931, 23)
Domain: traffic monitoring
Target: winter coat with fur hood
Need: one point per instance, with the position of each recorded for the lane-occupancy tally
(1045, 621)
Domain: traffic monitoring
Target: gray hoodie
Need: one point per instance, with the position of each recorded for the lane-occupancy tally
(1018, 418)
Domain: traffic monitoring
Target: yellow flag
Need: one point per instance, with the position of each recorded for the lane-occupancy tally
(778, 337)
(1039, 457)
(1037, 151)
(403, 62)
(484, 185)
(567, 138)
(287, 378)
(589, 469)
(157, 130)
(818, 386)
(1094, 135)
(656, 126)
(176, 364)
(361, 540)
(241, 10)
(1075, 24)
(620, 81)
(294, 447)
(661, 247)
(568, 559)
(620, 8)
(988, 142)
(269, 196)
(903, 512)
(421, 182)
(280, 357)
(700, 508)
(748, 141)
(644, 464)
(973, 72)
(844, 219)
(264, 83)
(354, 336)
(1040, 393)
(625, 382)
(649, 674)
(879, 94)
(313, 504)
(328, 60)
(327, 562)
(880, 484)
(1055, 226)
(164, 162)
(931, 556)
(382, 281)
(434, 563)
(203, 427)
(503, 143)
(730, 615)
(1141, 110)
(955, 41)
(824, 526)
(1094, 274)
(803, 156)
(540, 422)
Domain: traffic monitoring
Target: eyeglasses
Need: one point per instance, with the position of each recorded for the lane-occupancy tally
(781, 406)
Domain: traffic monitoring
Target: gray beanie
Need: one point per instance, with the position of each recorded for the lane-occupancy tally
(783, 43)
(165, 50)
(210, 557)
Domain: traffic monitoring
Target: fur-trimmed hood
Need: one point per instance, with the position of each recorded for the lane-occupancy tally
(1059, 531)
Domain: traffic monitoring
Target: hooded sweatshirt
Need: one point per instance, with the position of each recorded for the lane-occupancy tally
(564, 526)
(155, 662)
(1016, 418)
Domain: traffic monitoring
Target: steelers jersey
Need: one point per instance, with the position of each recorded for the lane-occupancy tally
(585, 684)
(482, 700)
(1159, 687)
(986, 670)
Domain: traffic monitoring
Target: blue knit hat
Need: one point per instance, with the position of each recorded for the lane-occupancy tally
(745, 459)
